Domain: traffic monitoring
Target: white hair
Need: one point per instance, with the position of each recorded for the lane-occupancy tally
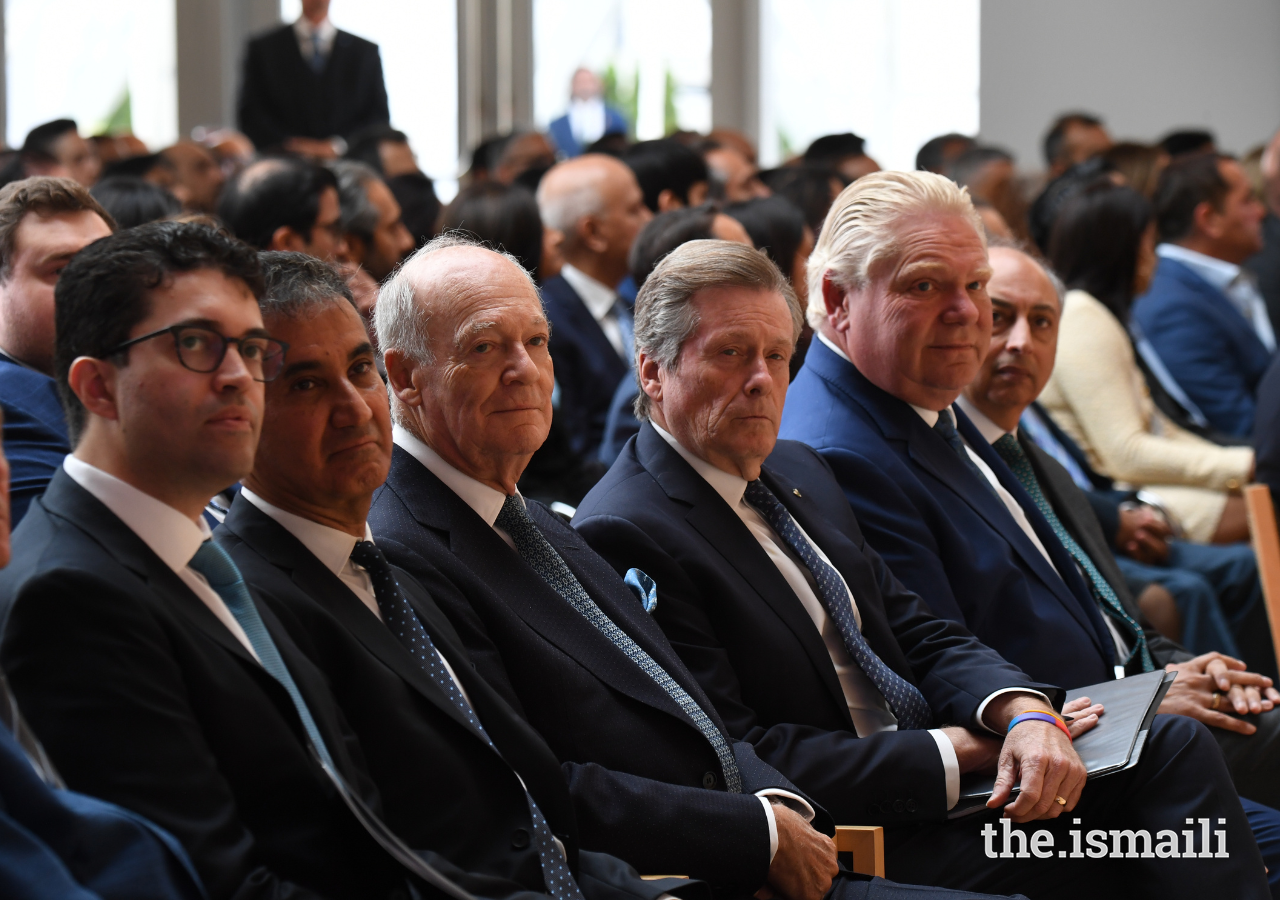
(862, 228)
(562, 206)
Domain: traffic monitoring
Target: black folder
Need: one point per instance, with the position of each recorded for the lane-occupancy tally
(1113, 745)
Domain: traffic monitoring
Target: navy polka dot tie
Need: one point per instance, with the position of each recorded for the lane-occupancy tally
(538, 553)
(1013, 454)
(406, 626)
(905, 700)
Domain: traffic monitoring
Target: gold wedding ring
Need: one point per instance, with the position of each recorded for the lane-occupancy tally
(1217, 699)
(1062, 801)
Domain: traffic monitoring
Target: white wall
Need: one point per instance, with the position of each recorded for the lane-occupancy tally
(1145, 66)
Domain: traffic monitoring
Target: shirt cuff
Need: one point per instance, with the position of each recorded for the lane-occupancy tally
(792, 802)
(950, 765)
(977, 717)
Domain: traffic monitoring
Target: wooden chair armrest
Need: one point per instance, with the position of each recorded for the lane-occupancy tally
(866, 843)
(660, 877)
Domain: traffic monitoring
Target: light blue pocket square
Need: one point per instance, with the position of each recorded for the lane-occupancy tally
(645, 589)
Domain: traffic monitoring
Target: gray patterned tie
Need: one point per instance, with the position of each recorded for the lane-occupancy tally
(905, 700)
(946, 426)
(538, 553)
(406, 626)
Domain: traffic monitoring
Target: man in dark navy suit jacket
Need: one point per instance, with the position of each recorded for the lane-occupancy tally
(457, 767)
(801, 636)
(596, 203)
(307, 83)
(1203, 313)
(43, 223)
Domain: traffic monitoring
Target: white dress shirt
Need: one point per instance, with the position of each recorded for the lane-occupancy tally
(1236, 283)
(306, 34)
(487, 502)
(333, 549)
(601, 301)
(587, 120)
(993, 432)
(171, 535)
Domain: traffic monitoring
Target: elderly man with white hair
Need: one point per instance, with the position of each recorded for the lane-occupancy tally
(596, 203)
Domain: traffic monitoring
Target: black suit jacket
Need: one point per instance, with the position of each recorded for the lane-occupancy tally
(638, 768)
(142, 697)
(745, 635)
(588, 368)
(281, 96)
(1077, 516)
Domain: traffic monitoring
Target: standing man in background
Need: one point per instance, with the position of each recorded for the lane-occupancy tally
(307, 87)
(588, 118)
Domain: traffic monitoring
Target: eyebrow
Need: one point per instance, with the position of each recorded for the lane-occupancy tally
(307, 365)
(216, 326)
(916, 269)
(999, 301)
(467, 332)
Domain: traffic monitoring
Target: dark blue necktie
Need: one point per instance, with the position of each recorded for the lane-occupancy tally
(317, 53)
(905, 700)
(1013, 454)
(946, 427)
(405, 625)
(538, 553)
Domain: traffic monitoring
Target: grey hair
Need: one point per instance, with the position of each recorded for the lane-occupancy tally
(665, 316)
(562, 209)
(861, 229)
(298, 285)
(359, 215)
(401, 317)
(1029, 251)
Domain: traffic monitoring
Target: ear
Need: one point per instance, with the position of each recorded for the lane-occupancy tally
(591, 236)
(356, 249)
(93, 381)
(836, 300)
(285, 238)
(650, 377)
(1208, 221)
(667, 201)
(400, 377)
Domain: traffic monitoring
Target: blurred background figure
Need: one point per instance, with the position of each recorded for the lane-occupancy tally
(734, 177)
(308, 87)
(1139, 165)
(198, 176)
(54, 148)
(505, 217)
(936, 154)
(1188, 142)
(671, 175)
(1265, 264)
(286, 204)
(134, 201)
(376, 236)
(845, 153)
(1073, 138)
(990, 176)
(588, 118)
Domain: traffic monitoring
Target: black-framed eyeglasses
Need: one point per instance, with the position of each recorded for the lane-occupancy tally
(202, 349)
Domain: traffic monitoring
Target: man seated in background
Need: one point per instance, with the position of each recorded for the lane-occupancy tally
(595, 202)
(457, 768)
(55, 149)
(1072, 138)
(734, 176)
(802, 637)
(283, 203)
(376, 237)
(1238, 705)
(844, 153)
(671, 175)
(43, 223)
(1203, 313)
(198, 176)
(149, 672)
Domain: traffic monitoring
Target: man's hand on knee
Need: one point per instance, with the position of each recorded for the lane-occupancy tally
(805, 863)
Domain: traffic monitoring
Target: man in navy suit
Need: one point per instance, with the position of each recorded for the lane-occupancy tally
(804, 640)
(1203, 313)
(43, 223)
(588, 119)
(308, 87)
(596, 203)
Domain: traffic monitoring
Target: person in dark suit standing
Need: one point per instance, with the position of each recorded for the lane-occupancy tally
(802, 637)
(596, 203)
(43, 223)
(1203, 313)
(457, 768)
(148, 670)
(308, 87)
(1217, 690)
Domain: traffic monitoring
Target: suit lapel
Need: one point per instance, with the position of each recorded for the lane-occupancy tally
(585, 324)
(711, 517)
(517, 586)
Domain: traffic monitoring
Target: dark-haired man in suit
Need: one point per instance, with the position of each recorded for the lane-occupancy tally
(804, 640)
(150, 673)
(457, 767)
(308, 87)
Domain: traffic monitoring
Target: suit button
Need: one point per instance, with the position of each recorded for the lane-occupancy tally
(911, 806)
(898, 806)
(709, 780)
(519, 839)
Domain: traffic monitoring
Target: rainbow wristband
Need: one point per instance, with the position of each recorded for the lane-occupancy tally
(1039, 717)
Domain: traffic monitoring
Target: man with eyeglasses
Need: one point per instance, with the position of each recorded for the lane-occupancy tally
(148, 670)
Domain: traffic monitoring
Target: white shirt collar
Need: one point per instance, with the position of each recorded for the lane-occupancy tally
(1218, 272)
(930, 416)
(484, 500)
(988, 429)
(304, 29)
(171, 535)
(730, 487)
(329, 545)
(831, 345)
(599, 298)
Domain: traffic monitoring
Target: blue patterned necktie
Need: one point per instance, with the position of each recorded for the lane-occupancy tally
(538, 553)
(905, 700)
(223, 576)
(317, 53)
(946, 427)
(405, 625)
(1013, 454)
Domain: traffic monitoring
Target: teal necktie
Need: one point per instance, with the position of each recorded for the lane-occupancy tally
(1013, 454)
